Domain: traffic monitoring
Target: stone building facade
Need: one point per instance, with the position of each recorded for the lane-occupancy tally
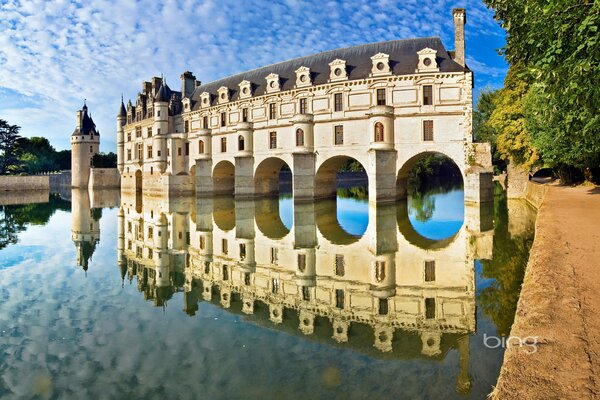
(385, 104)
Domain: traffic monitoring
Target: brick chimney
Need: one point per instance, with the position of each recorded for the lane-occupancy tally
(460, 19)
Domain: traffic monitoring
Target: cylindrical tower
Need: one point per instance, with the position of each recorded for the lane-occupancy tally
(161, 126)
(121, 119)
(85, 143)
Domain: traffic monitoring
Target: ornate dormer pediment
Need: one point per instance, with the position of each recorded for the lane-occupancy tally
(187, 104)
(204, 99)
(273, 84)
(381, 64)
(245, 89)
(338, 70)
(427, 60)
(303, 77)
(223, 94)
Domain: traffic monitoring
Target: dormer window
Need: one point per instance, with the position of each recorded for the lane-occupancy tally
(223, 94)
(381, 64)
(245, 89)
(205, 99)
(337, 70)
(427, 60)
(303, 77)
(273, 84)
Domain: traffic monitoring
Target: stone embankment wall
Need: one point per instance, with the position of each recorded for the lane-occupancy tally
(60, 181)
(104, 178)
(8, 198)
(26, 182)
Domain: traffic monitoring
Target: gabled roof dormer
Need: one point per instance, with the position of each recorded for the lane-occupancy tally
(273, 83)
(187, 104)
(204, 100)
(223, 94)
(245, 89)
(338, 70)
(381, 64)
(303, 77)
(427, 60)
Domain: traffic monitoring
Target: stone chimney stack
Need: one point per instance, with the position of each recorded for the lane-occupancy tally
(460, 19)
(188, 84)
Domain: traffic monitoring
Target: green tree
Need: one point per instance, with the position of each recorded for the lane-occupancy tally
(482, 131)
(9, 134)
(101, 160)
(558, 45)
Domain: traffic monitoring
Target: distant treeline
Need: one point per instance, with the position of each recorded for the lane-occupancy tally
(20, 155)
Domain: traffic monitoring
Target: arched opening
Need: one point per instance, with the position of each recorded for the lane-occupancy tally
(341, 176)
(379, 132)
(431, 188)
(241, 143)
(299, 137)
(273, 177)
(224, 178)
(201, 147)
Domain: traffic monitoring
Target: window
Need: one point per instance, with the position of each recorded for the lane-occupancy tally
(188, 238)
(339, 134)
(223, 145)
(91, 149)
(187, 148)
(242, 251)
(427, 95)
(201, 147)
(128, 154)
(158, 131)
(383, 306)
(429, 308)
(140, 153)
(186, 126)
(381, 97)
(428, 131)
(129, 136)
(272, 111)
(379, 136)
(149, 131)
(275, 285)
(339, 298)
(337, 102)
(206, 267)
(273, 255)
(429, 271)
(202, 242)
(224, 246)
(168, 152)
(299, 137)
(301, 262)
(380, 271)
(138, 131)
(179, 151)
(303, 105)
(205, 122)
(149, 151)
(339, 265)
(158, 153)
(272, 140)
(158, 113)
(305, 293)
(240, 143)
(225, 273)
(244, 115)
(223, 119)
(247, 278)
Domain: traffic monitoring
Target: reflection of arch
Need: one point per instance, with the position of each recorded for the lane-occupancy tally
(266, 176)
(223, 178)
(328, 224)
(414, 237)
(268, 220)
(326, 176)
(379, 133)
(402, 178)
(224, 213)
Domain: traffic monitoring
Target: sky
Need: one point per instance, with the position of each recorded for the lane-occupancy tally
(56, 53)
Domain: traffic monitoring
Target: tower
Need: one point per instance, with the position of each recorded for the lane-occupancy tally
(121, 119)
(85, 143)
(85, 226)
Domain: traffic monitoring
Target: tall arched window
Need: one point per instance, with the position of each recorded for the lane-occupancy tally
(379, 132)
(201, 147)
(380, 271)
(240, 143)
(299, 137)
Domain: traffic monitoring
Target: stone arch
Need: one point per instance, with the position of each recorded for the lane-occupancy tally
(223, 177)
(326, 175)
(266, 176)
(402, 176)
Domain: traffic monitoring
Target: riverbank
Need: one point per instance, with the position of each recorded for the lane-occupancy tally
(559, 305)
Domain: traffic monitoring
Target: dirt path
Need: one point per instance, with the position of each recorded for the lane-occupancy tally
(559, 303)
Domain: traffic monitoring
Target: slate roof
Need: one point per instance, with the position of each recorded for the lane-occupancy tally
(87, 124)
(403, 61)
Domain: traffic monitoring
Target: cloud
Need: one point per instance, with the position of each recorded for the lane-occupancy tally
(56, 53)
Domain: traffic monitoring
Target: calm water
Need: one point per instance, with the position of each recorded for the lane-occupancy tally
(104, 297)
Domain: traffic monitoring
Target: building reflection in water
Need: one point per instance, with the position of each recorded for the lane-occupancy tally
(389, 292)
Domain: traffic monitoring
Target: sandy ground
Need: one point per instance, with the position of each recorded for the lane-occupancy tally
(559, 304)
